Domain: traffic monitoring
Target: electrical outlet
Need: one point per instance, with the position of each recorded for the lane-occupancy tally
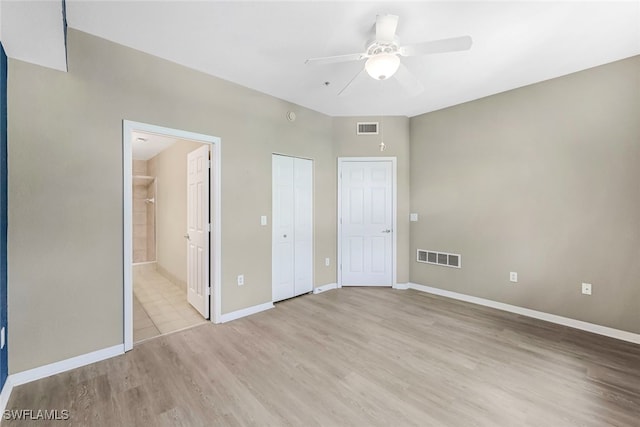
(327, 262)
(586, 288)
(513, 276)
(240, 279)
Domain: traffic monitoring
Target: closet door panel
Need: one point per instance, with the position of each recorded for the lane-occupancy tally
(303, 219)
(283, 247)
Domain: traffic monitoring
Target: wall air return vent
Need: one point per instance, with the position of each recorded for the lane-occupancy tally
(439, 258)
(367, 128)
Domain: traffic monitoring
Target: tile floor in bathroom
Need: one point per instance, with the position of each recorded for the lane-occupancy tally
(159, 306)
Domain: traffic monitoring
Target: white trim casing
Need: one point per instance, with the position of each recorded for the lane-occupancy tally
(216, 187)
(325, 288)
(228, 317)
(64, 365)
(394, 249)
(560, 320)
(216, 240)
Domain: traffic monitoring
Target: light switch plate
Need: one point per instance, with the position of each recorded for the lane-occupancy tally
(263, 220)
(413, 217)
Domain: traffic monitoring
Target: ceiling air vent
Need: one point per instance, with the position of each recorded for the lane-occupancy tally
(367, 128)
(439, 258)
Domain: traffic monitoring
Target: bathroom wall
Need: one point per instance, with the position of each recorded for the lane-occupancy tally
(151, 221)
(170, 169)
(143, 214)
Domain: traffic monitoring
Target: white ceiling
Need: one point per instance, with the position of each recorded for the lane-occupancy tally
(33, 31)
(148, 145)
(263, 45)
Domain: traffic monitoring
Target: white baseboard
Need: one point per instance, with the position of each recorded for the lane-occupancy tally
(5, 394)
(324, 288)
(401, 286)
(565, 321)
(228, 317)
(65, 365)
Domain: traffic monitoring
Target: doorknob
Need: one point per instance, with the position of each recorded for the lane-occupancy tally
(186, 236)
(284, 235)
(386, 231)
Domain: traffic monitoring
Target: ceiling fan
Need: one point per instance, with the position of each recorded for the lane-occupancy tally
(383, 54)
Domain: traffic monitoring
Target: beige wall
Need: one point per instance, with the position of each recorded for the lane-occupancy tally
(170, 169)
(396, 138)
(65, 196)
(543, 181)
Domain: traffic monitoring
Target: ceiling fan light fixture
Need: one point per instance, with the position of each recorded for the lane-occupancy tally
(382, 66)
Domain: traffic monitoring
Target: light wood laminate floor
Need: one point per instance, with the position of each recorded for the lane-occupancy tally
(360, 357)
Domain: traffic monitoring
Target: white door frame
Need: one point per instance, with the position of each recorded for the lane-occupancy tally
(128, 127)
(394, 188)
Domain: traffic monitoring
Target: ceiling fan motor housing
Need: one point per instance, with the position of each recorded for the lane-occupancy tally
(383, 59)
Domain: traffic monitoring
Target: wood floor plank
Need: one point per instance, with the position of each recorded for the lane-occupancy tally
(355, 357)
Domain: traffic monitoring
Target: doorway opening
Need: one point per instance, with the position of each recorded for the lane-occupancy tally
(167, 173)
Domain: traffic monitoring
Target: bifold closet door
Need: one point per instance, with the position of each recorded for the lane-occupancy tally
(303, 225)
(292, 226)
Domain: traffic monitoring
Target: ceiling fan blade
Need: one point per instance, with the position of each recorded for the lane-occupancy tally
(334, 59)
(386, 27)
(437, 46)
(408, 81)
(347, 89)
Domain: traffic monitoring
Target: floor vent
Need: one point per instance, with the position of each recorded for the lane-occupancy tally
(367, 128)
(439, 258)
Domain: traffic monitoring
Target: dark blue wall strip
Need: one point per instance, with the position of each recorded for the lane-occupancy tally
(64, 25)
(3, 212)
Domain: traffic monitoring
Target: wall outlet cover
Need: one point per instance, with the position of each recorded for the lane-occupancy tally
(413, 217)
(586, 288)
(513, 276)
(240, 279)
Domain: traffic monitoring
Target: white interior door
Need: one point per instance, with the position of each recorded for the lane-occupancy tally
(366, 223)
(198, 229)
(282, 258)
(303, 223)
(292, 227)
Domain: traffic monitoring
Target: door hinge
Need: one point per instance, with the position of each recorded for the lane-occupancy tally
(209, 227)
(208, 291)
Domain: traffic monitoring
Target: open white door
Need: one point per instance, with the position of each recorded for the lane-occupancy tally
(198, 229)
(366, 215)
